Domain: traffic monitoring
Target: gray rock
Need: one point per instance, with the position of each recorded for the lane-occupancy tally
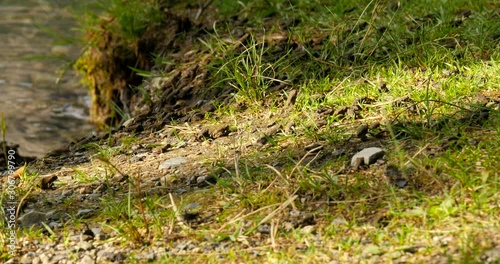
(237, 32)
(369, 155)
(264, 229)
(147, 257)
(338, 153)
(393, 172)
(172, 163)
(96, 230)
(362, 131)
(31, 255)
(55, 224)
(491, 255)
(57, 215)
(98, 234)
(44, 258)
(356, 163)
(57, 247)
(87, 260)
(58, 257)
(180, 191)
(32, 218)
(395, 176)
(74, 238)
(86, 190)
(84, 237)
(101, 237)
(105, 255)
(108, 255)
(67, 193)
(182, 246)
(206, 179)
(137, 158)
(84, 213)
(83, 246)
(401, 182)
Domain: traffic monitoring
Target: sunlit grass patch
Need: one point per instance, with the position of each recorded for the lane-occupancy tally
(422, 77)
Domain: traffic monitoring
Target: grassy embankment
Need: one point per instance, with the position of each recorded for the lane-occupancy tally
(315, 72)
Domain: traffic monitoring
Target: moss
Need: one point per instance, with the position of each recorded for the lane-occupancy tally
(116, 43)
(105, 72)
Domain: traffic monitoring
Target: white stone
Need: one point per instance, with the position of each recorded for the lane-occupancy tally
(369, 155)
(172, 163)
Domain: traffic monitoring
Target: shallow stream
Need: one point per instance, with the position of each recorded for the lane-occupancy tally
(40, 112)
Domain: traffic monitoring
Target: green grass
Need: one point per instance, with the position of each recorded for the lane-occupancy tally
(132, 17)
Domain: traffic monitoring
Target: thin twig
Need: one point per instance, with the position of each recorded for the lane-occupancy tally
(302, 159)
(22, 200)
(281, 207)
(416, 154)
(274, 180)
(202, 9)
(236, 219)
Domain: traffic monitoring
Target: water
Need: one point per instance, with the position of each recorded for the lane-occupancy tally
(40, 114)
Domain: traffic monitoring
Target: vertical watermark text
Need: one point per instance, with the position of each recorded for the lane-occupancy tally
(11, 201)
